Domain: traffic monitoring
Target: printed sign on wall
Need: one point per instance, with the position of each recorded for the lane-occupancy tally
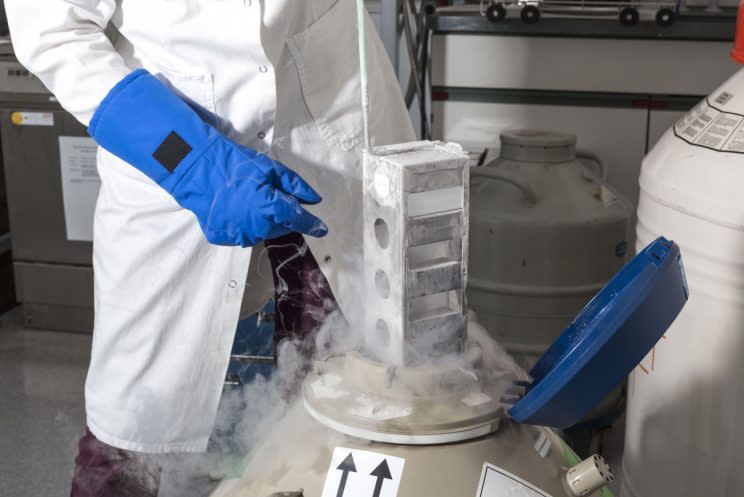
(80, 185)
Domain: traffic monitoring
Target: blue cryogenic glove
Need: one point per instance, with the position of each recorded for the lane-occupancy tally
(239, 196)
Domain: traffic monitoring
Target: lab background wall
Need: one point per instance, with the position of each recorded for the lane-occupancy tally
(617, 96)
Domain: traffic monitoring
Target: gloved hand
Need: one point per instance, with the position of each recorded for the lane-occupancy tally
(239, 196)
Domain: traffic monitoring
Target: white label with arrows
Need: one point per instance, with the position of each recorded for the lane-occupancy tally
(358, 473)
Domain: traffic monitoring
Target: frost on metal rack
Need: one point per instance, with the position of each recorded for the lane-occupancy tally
(415, 251)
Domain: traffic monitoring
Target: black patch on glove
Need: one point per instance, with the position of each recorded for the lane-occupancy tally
(172, 151)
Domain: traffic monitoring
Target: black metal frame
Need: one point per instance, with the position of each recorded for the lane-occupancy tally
(689, 28)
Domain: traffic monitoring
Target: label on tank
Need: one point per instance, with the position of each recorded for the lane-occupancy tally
(359, 473)
(495, 482)
(708, 126)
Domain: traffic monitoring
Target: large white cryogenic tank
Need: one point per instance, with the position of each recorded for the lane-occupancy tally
(686, 399)
(425, 408)
(546, 235)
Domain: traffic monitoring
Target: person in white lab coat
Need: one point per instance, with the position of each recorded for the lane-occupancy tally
(222, 123)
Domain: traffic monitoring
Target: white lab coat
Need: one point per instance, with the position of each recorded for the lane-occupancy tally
(282, 76)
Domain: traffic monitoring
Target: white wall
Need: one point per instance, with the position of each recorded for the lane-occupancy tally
(618, 135)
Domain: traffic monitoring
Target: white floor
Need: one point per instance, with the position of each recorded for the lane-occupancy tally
(41, 408)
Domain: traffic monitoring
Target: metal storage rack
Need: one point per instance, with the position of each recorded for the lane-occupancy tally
(467, 20)
(691, 28)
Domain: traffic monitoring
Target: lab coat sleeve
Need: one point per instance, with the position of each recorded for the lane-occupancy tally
(64, 44)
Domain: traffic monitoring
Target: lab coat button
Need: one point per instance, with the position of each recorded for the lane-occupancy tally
(233, 284)
(263, 69)
(261, 135)
(247, 3)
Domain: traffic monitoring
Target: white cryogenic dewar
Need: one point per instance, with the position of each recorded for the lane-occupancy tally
(684, 428)
(547, 233)
(421, 409)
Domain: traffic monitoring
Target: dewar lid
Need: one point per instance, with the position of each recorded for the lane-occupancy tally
(607, 340)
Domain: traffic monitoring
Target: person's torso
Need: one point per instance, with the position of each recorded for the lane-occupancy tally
(226, 55)
(208, 34)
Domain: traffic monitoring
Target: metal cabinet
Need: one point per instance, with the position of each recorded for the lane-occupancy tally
(54, 275)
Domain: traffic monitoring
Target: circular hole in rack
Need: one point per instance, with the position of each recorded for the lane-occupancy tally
(382, 233)
(382, 282)
(383, 332)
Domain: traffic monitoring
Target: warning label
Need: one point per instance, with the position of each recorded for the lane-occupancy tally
(495, 482)
(709, 127)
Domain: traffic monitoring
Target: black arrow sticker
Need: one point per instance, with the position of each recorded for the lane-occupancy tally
(382, 472)
(347, 466)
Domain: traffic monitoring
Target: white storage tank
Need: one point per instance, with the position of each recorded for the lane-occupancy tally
(546, 234)
(686, 399)
(462, 426)
(461, 420)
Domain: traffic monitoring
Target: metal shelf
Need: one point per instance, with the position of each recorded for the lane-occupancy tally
(685, 28)
(566, 98)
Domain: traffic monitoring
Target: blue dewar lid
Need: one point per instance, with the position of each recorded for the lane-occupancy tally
(607, 339)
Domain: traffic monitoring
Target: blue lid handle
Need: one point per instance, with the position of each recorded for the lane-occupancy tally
(607, 339)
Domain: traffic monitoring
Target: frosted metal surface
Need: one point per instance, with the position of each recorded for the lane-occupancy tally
(415, 246)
